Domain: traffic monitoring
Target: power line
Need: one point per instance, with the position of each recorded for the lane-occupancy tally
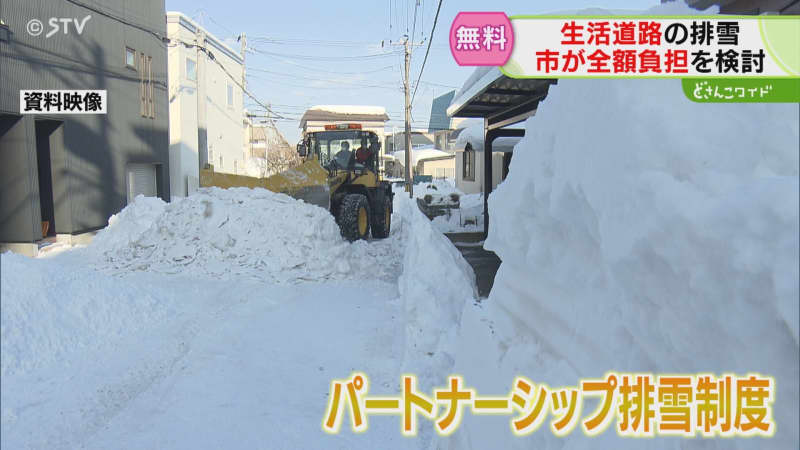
(325, 58)
(327, 80)
(427, 51)
(354, 86)
(118, 19)
(437, 84)
(317, 69)
(221, 66)
(316, 42)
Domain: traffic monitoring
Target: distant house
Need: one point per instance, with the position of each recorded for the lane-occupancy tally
(256, 141)
(425, 161)
(219, 143)
(396, 141)
(469, 158)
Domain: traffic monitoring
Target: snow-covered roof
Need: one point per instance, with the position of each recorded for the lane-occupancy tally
(473, 135)
(421, 154)
(350, 109)
(354, 113)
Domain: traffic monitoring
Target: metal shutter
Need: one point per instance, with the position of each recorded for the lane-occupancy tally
(141, 180)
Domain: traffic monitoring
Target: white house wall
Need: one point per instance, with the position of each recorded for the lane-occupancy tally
(224, 124)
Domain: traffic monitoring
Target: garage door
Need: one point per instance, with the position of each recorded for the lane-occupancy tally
(141, 180)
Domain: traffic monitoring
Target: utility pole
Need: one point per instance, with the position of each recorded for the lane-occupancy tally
(409, 178)
(202, 127)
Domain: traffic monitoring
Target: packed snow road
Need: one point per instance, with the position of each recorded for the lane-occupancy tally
(184, 325)
(259, 377)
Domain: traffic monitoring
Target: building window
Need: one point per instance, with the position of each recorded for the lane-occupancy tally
(468, 169)
(142, 88)
(147, 106)
(235, 166)
(150, 102)
(130, 58)
(220, 163)
(191, 69)
(230, 94)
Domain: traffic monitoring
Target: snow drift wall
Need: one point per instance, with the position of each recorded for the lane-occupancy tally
(435, 284)
(642, 232)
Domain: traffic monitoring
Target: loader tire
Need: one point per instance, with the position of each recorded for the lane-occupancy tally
(382, 218)
(354, 217)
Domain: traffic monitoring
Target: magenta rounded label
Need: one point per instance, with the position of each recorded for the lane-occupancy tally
(481, 38)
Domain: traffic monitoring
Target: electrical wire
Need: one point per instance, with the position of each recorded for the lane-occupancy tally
(435, 19)
(212, 58)
(326, 58)
(325, 80)
(317, 69)
(118, 19)
(315, 42)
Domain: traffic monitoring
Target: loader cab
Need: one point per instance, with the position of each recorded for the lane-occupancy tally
(343, 147)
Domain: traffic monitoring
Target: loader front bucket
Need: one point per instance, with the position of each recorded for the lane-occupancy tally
(307, 182)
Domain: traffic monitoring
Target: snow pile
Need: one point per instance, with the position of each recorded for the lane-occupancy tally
(435, 284)
(239, 232)
(50, 312)
(662, 237)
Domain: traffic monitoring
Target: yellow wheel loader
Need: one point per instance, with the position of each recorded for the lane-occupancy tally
(339, 173)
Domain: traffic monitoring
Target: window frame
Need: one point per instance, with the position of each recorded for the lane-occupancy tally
(150, 101)
(142, 89)
(130, 51)
(468, 164)
(186, 70)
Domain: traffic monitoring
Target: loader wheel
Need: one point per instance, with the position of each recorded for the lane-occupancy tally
(382, 220)
(354, 217)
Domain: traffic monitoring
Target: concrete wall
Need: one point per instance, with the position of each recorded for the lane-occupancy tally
(225, 129)
(90, 153)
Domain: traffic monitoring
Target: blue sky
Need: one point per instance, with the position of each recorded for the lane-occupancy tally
(306, 53)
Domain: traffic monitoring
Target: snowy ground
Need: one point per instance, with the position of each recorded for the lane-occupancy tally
(108, 347)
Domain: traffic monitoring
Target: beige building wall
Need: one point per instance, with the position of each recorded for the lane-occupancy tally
(438, 168)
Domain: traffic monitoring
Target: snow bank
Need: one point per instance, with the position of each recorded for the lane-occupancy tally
(435, 284)
(651, 235)
(49, 313)
(240, 232)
